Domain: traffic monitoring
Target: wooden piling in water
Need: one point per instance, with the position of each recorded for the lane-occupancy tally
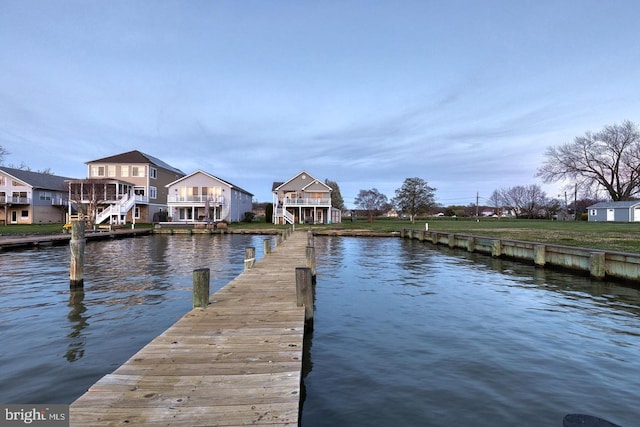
(304, 294)
(267, 246)
(311, 259)
(201, 278)
(249, 258)
(76, 264)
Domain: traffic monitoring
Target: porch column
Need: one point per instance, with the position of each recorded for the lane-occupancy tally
(315, 214)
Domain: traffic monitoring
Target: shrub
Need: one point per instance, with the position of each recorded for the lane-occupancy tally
(248, 216)
(268, 213)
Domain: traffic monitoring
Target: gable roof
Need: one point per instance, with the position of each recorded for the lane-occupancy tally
(210, 176)
(37, 180)
(625, 204)
(136, 156)
(278, 185)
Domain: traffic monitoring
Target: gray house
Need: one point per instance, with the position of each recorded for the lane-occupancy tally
(627, 211)
(31, 197)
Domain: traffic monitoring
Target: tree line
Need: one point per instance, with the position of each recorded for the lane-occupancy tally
(596, 166)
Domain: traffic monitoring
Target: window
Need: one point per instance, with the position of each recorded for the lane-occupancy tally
(594, 212)
(3, 180)
(45, 195)
(137, 171)
(153, 173)
(24, 214)
(124, 171)
(136, 213)
(97, 170)
(153, 192)
(111, 170)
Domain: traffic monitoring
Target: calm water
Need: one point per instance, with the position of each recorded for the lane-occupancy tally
(55, 344)
(405, 334)
(410, 336)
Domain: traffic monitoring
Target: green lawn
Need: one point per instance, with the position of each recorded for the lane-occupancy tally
(623, 237)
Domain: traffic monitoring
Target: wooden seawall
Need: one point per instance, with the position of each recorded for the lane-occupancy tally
(236, 362)
(596, 263)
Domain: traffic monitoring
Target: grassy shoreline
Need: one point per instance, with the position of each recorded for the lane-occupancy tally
(622, 237)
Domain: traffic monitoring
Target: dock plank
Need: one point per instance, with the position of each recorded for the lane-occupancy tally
(236, 362)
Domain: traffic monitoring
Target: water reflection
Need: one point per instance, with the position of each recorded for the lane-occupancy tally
(411, 334)
(57, 343)
(78, 324)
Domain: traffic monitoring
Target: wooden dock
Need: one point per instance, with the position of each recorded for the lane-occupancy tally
(236, 362)
(26, 242)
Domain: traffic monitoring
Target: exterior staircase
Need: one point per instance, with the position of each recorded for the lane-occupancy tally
(118, 209)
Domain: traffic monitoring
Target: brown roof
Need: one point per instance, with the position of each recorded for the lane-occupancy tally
(136, 156)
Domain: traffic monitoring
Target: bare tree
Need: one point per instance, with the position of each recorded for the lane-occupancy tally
(371, 201)
(496, 202)
(414, 197)
(3, 153)
(608, 159)
(524, 200)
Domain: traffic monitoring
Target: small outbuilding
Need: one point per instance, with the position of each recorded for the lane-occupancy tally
(625, 211)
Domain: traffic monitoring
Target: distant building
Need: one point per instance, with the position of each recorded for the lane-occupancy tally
(625, 211)
(203, 197)
(126, 187)
(303, 199)
(31, 197)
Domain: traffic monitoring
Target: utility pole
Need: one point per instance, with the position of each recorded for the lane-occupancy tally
(477, 204)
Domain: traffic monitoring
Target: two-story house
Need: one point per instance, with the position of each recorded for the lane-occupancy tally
(31, 197)
(201, 196)
(126, 187)
(302, 199)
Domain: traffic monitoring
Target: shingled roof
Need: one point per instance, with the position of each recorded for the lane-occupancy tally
(136, 156)
(42, 181)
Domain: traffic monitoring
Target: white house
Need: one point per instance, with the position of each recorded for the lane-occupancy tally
(202, 197)
(303, 199)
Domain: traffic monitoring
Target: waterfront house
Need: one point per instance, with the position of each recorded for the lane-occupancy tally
(624, 211)
(126, 187)
(303, 199)
(31, 197)
(202, 197)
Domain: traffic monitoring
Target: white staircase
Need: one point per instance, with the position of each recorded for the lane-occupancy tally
(116, 210)
(283, 213)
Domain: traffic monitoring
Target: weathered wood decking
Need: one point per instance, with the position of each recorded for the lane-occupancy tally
(237, 362)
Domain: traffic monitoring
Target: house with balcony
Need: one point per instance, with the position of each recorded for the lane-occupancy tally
(126, 187)
(31, 197)
(303, 199)
(202, 197)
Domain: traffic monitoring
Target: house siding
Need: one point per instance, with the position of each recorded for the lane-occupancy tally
(614, 212)
(187, 202)
(302, 199)
(21, 201)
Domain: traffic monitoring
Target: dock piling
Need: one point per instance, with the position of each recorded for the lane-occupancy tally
(76, 264)
(304, 294)
(249, 258)
(201, 278)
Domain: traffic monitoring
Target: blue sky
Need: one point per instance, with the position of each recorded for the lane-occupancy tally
(463, 94)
